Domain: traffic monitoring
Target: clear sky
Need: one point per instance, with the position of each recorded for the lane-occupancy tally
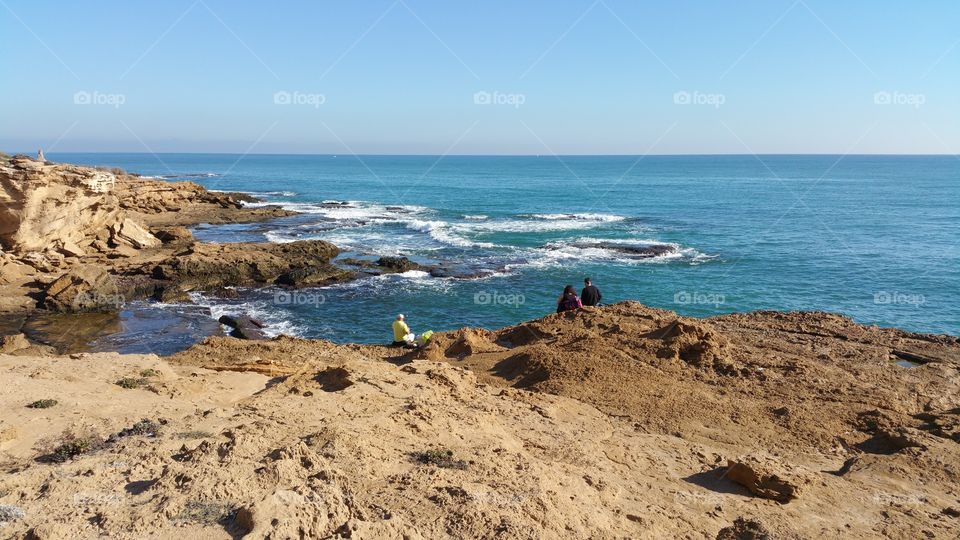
(493, 77)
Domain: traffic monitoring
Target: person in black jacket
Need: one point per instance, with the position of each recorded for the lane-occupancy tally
(590, 295)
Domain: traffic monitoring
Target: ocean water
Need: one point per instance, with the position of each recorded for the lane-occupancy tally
(871, 237)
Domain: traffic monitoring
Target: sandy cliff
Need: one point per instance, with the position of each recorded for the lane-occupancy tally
(620, 422)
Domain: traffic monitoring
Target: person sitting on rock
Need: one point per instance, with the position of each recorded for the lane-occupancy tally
(402, 336)
(590, 295)
(569, 300)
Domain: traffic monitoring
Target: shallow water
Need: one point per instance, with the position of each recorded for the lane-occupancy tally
(872, 237)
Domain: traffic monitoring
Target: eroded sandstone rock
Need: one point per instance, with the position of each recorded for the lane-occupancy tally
(766, 478)
(83, 289)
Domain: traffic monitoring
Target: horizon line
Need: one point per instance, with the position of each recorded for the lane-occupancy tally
(730, 154)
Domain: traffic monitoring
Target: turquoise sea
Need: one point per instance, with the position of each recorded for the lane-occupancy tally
(872, 237)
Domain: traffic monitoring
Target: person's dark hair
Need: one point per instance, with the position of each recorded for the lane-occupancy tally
(568, 290)
(586, 281)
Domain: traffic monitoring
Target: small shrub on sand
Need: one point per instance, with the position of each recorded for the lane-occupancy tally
(71, 446)
(42, 404)
(205, 512)
(147, 373)
(145, 428)
(132, 382)
(439, 458)
(8, 512)
(194, 435)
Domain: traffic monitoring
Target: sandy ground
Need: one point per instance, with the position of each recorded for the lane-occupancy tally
(614, 423)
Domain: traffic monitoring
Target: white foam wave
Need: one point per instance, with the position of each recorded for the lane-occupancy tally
(577, 217)
(530, 225)
(275, 321)
(280, 237)
(587, 249)
(191, 175)
(444, 232)
(269, 193)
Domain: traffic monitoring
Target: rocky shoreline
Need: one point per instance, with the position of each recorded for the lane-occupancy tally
(623, 421)
(81, 240)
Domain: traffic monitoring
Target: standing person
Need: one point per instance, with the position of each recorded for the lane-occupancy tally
(402, 336)
(569, 300)
(590, 295)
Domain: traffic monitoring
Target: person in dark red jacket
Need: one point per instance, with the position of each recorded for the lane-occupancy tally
(568, 301)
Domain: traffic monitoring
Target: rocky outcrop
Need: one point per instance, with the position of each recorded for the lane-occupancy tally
(696, 343)
(55, 207)
(766, 478)
(162, 203)
(13, 343)
(58, 222)
(386, 265)
(133, 234)
(217, 265)
(84, 289)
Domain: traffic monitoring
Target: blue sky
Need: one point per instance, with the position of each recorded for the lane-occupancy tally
(445, 77)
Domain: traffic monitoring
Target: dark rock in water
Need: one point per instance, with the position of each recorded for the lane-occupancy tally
(312, 276)
(209, 266)
(244, 327)
(239, 196)
(224, 292)
(387, 265)
(363, 263)
(335, 204)
(398, 264)
(441, 272)
(171, 294)
(639, 251)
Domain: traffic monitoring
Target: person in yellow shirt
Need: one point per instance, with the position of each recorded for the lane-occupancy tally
(402, 336)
